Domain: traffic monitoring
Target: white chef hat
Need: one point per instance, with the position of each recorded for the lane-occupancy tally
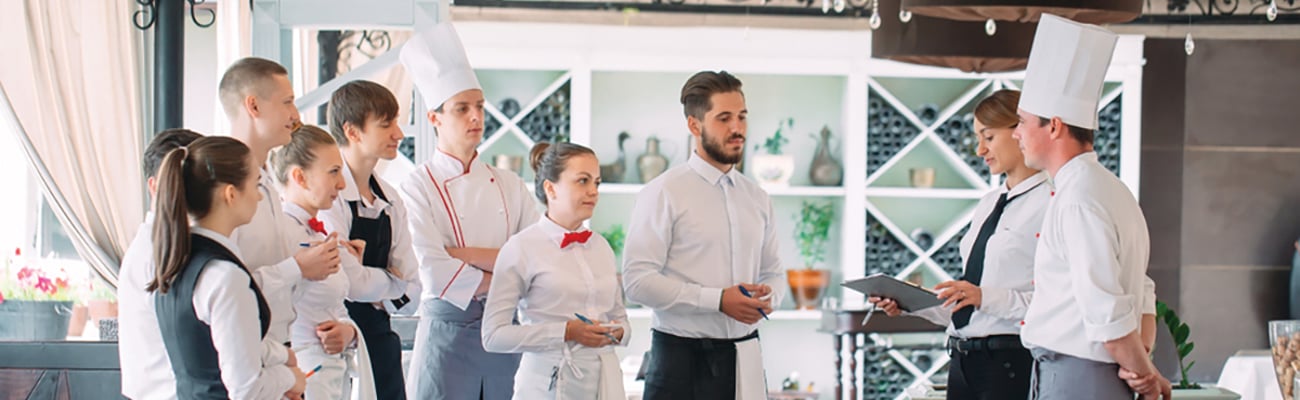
(435, 59)
(1067, 68)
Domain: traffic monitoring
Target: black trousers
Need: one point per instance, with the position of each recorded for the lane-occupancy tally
(989, 374)
(385, 349)
(691, 369)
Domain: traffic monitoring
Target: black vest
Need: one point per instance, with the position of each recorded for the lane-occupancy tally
(189, 340)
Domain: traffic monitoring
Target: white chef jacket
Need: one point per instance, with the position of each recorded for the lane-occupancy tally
(252, 367)
(268, 251)
(548, 285)
(1090, 265)
(694, 231)
(1006, 285)
(369, 286)
(146, 370)
(444, 195)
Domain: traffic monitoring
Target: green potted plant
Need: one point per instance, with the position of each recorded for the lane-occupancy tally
(811, 233)
(35, 302)
(1181, 333)
(772, 166)
(615, 235)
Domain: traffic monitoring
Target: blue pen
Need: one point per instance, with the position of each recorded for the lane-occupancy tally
(588, 322)
(746, 293)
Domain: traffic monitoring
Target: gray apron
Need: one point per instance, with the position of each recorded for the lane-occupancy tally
(449, 363)
(1058, 376)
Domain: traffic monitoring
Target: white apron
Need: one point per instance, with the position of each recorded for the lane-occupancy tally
(342, 376)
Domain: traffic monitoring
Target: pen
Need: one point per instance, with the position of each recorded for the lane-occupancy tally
(746, 293)
(313, 371)
(305, 244)
(588, 322)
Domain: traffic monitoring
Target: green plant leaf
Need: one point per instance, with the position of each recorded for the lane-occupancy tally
(1181, 333)
(1161, 309)
(1185, 349)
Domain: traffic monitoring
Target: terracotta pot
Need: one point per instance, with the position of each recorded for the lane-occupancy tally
(77, 324)
(100, 309)
(807, 285)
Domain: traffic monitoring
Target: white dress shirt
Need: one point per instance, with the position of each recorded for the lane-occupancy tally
(1007, 283)
(547, 285)
(268, 251)
(695, 231)
(1090, 266)
(370, 286)
(146, 370)
(252, 367)
(457, 206)
(317, 302)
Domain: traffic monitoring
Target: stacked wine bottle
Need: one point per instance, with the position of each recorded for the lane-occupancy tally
(949, 256)
(407, 148)
(958, 132)
(490, 125)
(882, 377)
(885, 253)
(550, 120)
(1106, 140)
(888, 131)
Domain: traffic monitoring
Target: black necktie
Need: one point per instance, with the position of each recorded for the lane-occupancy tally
(975, 262)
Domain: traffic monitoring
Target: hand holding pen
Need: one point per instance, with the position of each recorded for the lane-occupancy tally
(587, 332)
(746, 303)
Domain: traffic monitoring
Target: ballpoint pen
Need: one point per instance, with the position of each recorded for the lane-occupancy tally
(746, 293)
(588, 322)
(313, 371)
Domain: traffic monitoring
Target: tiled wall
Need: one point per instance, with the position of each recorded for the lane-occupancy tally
(1221, 189)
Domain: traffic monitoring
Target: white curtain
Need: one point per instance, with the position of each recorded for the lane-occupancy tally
(71, 75)
(234, 41)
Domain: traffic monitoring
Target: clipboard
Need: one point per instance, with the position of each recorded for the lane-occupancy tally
(908, 296)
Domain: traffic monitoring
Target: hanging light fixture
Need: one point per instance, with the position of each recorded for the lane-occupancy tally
(1087, 11)
(953, 44)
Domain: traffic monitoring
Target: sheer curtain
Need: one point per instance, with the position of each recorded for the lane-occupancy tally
(72, 80)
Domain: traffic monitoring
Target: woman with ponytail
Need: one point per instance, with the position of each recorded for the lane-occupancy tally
(212, 316)
(562, 281)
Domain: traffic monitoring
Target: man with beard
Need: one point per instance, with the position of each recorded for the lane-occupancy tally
(702, 252)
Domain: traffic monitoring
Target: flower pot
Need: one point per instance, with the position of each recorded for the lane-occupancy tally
(807, 286)
(772, 169)
(100, 309)
(1206, 393)
(77, 324)
(34, 320)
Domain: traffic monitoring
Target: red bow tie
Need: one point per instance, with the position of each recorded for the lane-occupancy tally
(317, 226)
(575, 237)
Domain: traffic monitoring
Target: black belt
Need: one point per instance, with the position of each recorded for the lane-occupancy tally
(700, 343)
(989, 343)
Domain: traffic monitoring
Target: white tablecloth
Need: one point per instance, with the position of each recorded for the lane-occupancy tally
(1250, 373)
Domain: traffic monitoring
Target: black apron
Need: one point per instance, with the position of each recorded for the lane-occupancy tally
(682, 368)
(384, 345)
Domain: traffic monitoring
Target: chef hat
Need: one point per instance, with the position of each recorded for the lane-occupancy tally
(436, 62)
(1067, 67)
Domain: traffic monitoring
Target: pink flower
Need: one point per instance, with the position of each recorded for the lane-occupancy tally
(18, 251)
(2, 298)
(25, 273)
(43, 284)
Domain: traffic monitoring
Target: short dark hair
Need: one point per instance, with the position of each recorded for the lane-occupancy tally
(163, 143)
(242, 78)
(700, 88)
(1081, 134)
(355, 102)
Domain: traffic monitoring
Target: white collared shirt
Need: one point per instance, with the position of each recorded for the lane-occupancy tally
(457, 206)
(1007, 283)
(317, 302)
(547, 285)
(338, 218)
(252, 367)
(268, 252)
(1090, 265)
(146, 370)
(693, 232)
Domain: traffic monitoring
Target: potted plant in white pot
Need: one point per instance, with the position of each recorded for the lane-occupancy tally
(772, 167)
(1184, 388)
(812, 230)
